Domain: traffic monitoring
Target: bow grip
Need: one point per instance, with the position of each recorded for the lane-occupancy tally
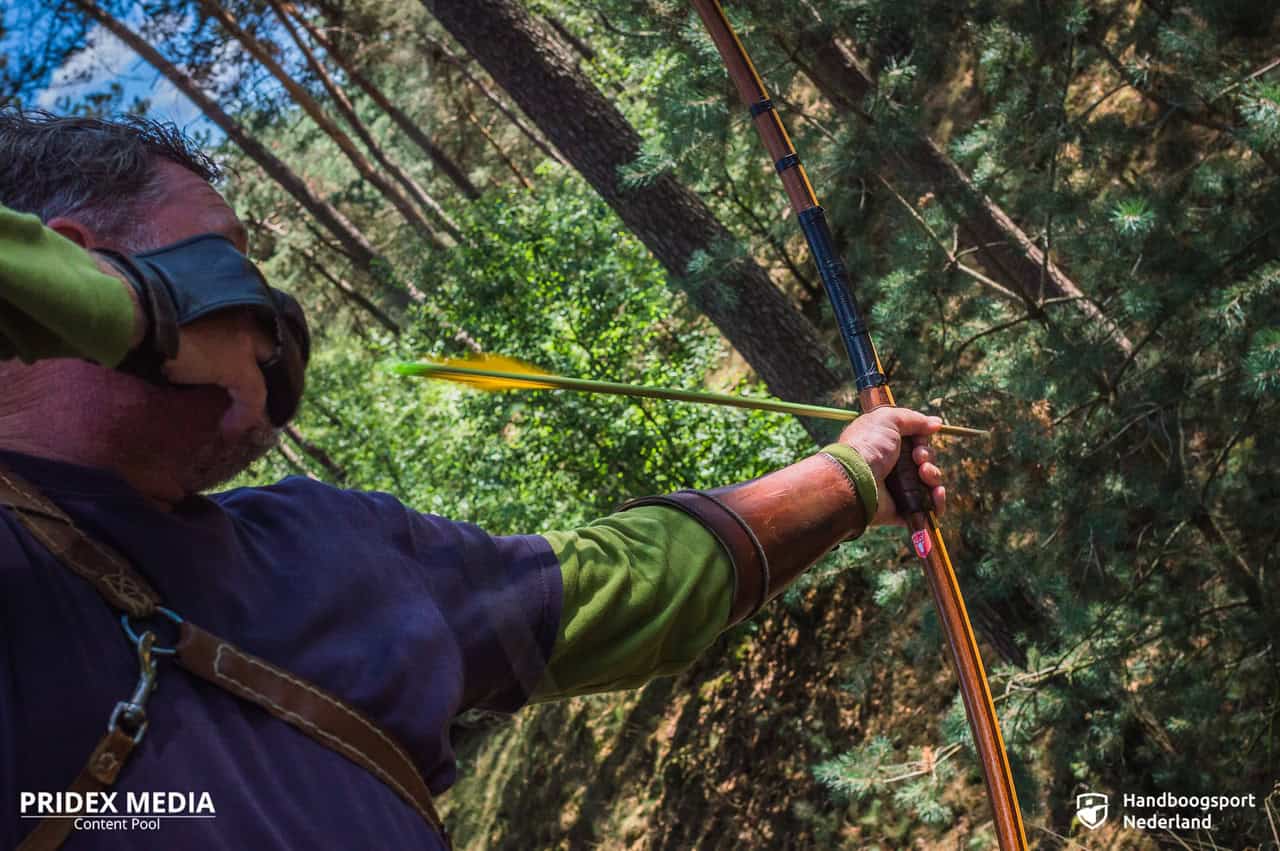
(910, 495)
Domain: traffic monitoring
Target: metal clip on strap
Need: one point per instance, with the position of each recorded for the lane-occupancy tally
(130, 716)
(324, 718)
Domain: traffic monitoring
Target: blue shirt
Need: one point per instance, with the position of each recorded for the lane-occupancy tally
(409, 617)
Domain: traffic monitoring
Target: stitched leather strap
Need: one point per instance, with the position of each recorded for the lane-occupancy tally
(307, 707)
(750, 565)
(315, 712)
(102, 566)
(98, 774)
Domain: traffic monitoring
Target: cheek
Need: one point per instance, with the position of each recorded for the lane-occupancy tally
(166, 415)
(197, 408)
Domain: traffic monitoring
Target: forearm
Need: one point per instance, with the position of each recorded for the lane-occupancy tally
(648, 589)
(54, 299)
(775, 527)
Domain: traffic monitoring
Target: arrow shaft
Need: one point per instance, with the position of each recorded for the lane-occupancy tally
(615, 388)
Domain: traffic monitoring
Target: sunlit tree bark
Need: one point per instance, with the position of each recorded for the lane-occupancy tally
(407, 125)
(312, 108)
(349, 240)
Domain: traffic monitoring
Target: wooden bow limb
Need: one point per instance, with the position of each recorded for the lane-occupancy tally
(909, 494)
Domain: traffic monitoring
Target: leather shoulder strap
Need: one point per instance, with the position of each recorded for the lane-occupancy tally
(98, 774)
(290, 698)
(102, 566)
(312, 710)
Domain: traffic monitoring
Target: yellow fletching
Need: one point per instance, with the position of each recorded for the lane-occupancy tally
(496, 363)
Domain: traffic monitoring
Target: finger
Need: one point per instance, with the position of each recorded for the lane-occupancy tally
(914, 422)
(921, 454)
(245, 412)
(248, 394)
(939, 495)
(264, 347)
(248, 409)
(930, 475)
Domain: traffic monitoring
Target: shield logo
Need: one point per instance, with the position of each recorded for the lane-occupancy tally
(1091, 809)
(920, 541)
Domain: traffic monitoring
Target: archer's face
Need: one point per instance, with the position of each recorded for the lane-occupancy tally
(204, 449)
(174, 438)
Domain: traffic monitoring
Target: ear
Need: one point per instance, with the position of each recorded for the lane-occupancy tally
(72, 230)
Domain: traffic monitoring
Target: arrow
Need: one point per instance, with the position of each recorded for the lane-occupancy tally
(495, 373)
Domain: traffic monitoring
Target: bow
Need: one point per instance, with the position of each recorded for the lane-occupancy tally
(909, 494)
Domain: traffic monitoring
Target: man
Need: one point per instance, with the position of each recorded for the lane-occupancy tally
(124, 403)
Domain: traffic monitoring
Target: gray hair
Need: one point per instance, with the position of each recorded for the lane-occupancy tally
(98, 171)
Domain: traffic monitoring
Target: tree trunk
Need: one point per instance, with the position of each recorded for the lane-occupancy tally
(438, 50)
(1016, 261)
(309, 105)
(434, 152)
(411, 294)
(576, 44)
(348, 111)
(295, 461)
(351, 241)
(465, 108)
(315, 264)
(525, 59)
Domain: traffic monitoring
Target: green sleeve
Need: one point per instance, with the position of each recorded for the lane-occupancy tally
(54, 303)
(645, 592)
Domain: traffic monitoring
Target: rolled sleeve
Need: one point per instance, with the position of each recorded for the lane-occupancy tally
(644, 593)
(54, 302)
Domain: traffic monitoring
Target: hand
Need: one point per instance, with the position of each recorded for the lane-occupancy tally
(225, 349)
(877, 437)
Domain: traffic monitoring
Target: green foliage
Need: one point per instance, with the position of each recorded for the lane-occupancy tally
(1116, 536)
(1261, 111)
(1116, 528)
(1262, 363)
(552, 279)
(873, 769)
(854, 774)
(1132, 217)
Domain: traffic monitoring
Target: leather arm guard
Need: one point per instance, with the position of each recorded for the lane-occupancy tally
(775, 527)
(183, 282)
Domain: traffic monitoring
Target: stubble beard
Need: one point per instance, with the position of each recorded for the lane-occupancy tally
(215, 462)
